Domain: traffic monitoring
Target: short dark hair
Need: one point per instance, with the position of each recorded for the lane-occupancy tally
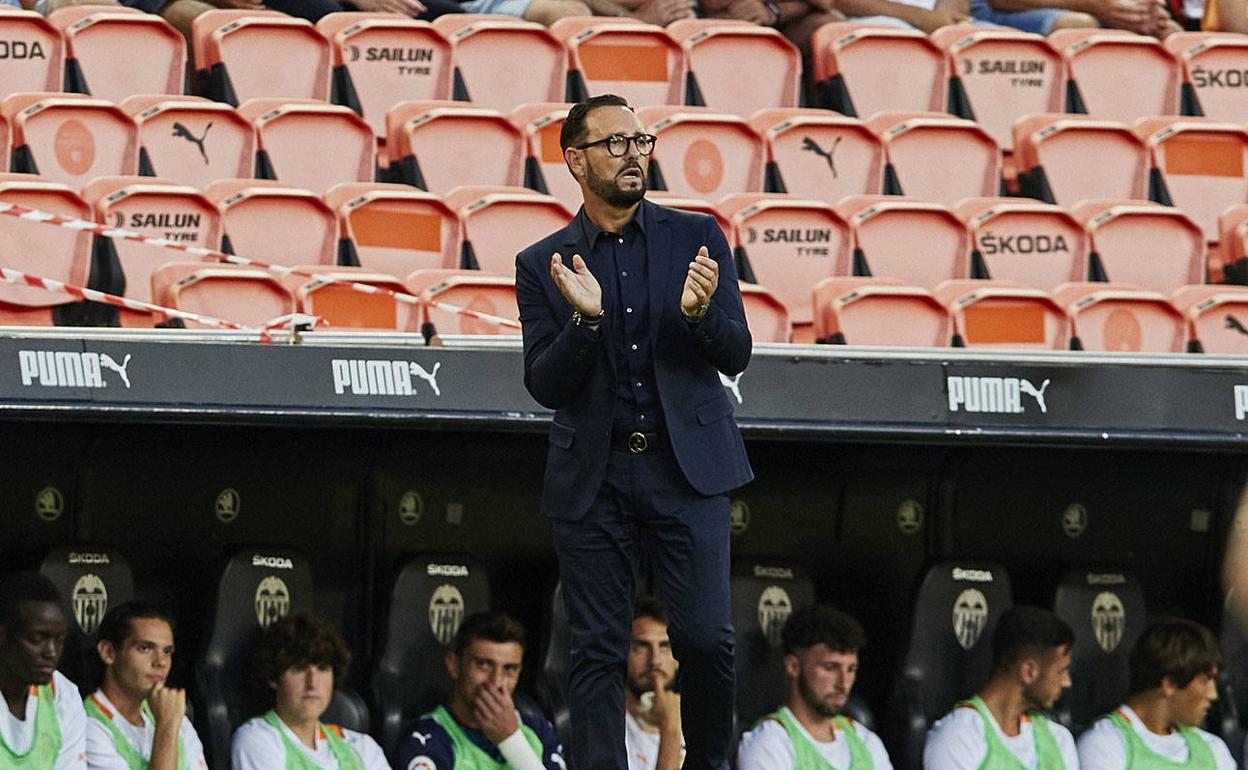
(22, 587)
(822, 624)
(1024, 631)
(573, 130)
(494, 627)
(1175, 648)
(650, 607)
(296, 641)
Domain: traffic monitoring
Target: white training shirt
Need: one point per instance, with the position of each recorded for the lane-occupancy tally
(642, 746)
(1102, 747)
(257, 746)
(102, 749)
(957, 742)
(767, 747)
(18, 734)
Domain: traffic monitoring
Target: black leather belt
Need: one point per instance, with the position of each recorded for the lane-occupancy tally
(637, 442)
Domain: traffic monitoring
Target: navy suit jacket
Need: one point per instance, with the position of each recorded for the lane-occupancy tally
(572, 370)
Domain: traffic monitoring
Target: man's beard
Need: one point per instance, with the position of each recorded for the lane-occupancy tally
(813, 701)
(609, 191)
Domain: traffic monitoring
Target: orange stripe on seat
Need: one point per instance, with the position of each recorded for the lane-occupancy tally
(1204, 155)
(549, 138)
(394, 228)
(994, 322)
(615, 61)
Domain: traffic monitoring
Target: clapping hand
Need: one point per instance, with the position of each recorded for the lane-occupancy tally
(700, 283)
(577, 285)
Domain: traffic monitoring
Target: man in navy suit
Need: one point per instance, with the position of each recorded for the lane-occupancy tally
(629, 315)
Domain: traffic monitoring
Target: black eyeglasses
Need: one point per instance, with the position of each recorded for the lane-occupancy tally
(617, 144)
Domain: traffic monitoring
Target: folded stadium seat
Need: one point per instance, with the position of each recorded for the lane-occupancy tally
(393, 229)
(1154, 247)
(452, 291)
(253, 210)
(714, 77)
(430, 597)
(1217, 318)
(381, 59)
(34, 53)
(672, 200)
(1065, 159)
(310, 144)
(500, 221)
(479, 42)
(1197, 165)
(544, 168)
(936, 157)
(439, 145)
(342, 307)
(1118, 318)
(1001, 314)
(256, 587)
(155, 208)
(950, 650)
(703, 154)
(42, 250)
(1117, 75)
(637, 61)
(818, 154)
(998, 75)
(1106, 609)
(789, 244)
(115, 52)
(191, 139)
(861, 70)
(917, 242)
(1035, 244)
(766, 315)
(235, 52)
(70, 138)
(243, 295)
(878, 311)
(91, 578)
(1214, 66)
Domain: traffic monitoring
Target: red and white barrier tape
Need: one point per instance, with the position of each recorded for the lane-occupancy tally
(25, 213)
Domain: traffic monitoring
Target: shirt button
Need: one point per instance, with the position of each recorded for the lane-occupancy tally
(639, 384)
(621, 240)
(624, 273)
(643, 417)
(628, 310)
(634, 346)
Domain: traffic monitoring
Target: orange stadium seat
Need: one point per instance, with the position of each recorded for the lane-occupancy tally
(1215, 72)
(1140, 243)
(1197, 165)
(393, 229)
(42, 250)
(500, 221)
(703, 154)
(544, 168)
(70, 138)
(310, 144)
(235, 52)
(1118, 318)
(380, 60)
(1030, 243)
(6, 147)
(471, 290)
(672, 200)
(878, 311)
(637, 61)
(998, 75)
(913, 241)
(1217, 318)
(861, 70)
(253, 211)
(767, 316)
(788, 245)
(480, 42)
(714, 77)
(936, 157)
(155, 208)
(1065, 159)
(340, 306)
(440, 145)
(1233, 230)
(1000, 314)
(192, 140)
(115, 52)
(818, 154)
(241, 295)
(1116, 75)
(32, 53)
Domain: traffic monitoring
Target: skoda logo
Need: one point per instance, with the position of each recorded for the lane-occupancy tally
(49, 504)
(739, 517)
(909, 516)
(1074, 520)
(228, 505)
(411, 508)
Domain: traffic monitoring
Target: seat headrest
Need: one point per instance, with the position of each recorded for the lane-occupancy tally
(91, 578)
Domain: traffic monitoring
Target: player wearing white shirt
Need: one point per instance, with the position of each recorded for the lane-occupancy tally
(1174, 668)
(821, 647)
(652, 735)
(42, 724)
(1003, 727)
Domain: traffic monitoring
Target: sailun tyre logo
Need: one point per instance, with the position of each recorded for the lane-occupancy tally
(70, 369)
(378, 377)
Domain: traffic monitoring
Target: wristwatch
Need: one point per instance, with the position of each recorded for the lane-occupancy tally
(591, 322)
(699, 313)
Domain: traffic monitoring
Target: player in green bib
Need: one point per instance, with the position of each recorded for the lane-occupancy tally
(1003, 727)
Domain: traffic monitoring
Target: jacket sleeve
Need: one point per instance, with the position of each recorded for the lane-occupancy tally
(722, 335)
(558, 354)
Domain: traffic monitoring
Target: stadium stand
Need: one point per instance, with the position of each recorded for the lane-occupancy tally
(911, 240)
(310, 144)
(1216, 315)
(1196, 165)
(34, 53)
(244, 295)
(877, 311)
(1035, 244)
(1003, 315)
(937, 158)
(544, 167)
(63, 255)
(440, 145)
(853, 160)
(767, 316)
(90, 578)
(234, 51)
(175, 141)
(115, 52)
(70, 138)
(1116, 318)
(393, 229)
(1211, 62)
(860, 70)
(637, 61)
(252, 210)
(480, 42)
(712, 49)
(1134, 242)
(1065, 159)
(1117, 75)
(500, 221)
(701, 154)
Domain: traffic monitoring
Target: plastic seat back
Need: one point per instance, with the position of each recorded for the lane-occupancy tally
(499, 222)
(703, 154)
(861, 70)
(1198, 166)
(481, 42)
(764, 594)
(113, 53)
(32, 53)
(875, 311)
(1065, 159)
(715, 77)
(821, 155)
(311, 144)
(1150, 246)
(90, 578)
(916, 242)
(472, 291)
(1217, 317)
(70, 139)
(40, 249)
(253, 210)
(637, 61)
(235, 52)
(1034, 244)
(437, 146)
(192, 140)
(938, 158)
(1000, 314)
(1115, 318)
(544, 167)
(1215, 70)
(1117, 76)
(394, 229)
(241, 295)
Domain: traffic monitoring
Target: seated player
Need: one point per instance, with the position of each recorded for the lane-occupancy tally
(481, 727)
(299, 659)
(652, 709)
(1003, 725)
(809, 732)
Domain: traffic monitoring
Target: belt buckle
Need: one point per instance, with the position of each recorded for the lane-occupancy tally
(637, 442)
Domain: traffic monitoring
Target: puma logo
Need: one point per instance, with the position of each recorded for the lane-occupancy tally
(1038, 395)
(733, 384)
(107, 362)
(429, 377)
(1233, 323)
(810, 145)
(183, 132)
